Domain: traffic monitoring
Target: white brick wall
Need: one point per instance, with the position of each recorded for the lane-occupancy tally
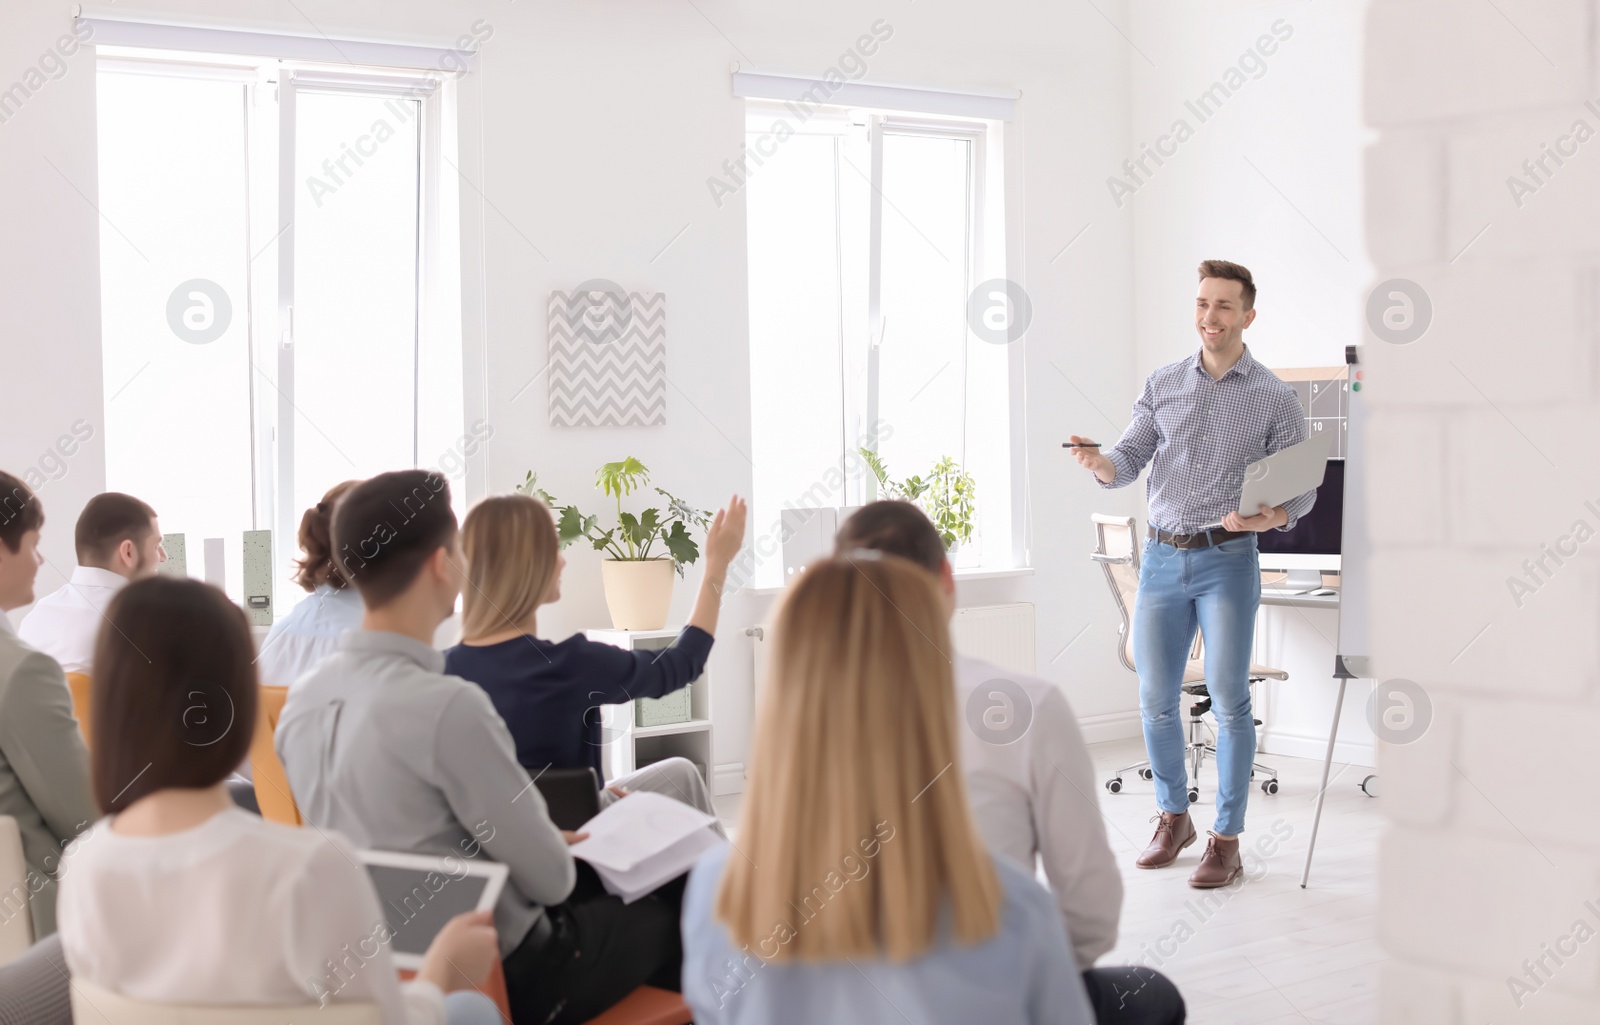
(1491, 850)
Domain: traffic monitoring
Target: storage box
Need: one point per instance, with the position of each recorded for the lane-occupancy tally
(674, 708)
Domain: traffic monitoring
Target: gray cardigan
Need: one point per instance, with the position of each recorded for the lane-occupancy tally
(380, 745)
(44, 772)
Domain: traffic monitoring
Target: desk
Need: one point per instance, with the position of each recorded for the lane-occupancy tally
(1276, 596)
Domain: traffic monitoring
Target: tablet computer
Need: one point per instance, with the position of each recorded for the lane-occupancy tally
(419, 893)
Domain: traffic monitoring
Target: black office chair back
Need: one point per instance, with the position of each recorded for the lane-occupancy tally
(571, 795)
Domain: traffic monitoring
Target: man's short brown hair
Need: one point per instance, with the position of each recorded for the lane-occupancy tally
(20, 511)
(174, 693)
(108, 520)
(894, 528)
(385, 528)
(1231, 272)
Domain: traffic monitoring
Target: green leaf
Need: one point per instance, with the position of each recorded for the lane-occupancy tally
(875, 462)
(623, 478)
(677, 509)
(638, 532)
(681, 545)
(951, 503)
(572, 525)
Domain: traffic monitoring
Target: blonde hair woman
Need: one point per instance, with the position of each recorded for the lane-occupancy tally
(548, 692)
(861, 891)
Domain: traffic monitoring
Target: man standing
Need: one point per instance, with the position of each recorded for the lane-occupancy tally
(1203, 420)
(118, 539)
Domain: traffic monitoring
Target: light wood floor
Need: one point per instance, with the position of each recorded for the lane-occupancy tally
(1271, 953)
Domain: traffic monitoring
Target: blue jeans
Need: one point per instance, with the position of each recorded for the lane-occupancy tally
(1218, 590)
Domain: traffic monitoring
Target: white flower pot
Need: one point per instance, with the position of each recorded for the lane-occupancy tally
(639, 594)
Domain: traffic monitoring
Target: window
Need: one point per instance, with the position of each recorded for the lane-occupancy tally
(867, 235)
(264, 242)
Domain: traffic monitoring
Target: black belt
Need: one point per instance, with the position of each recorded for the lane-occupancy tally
(1203, 539)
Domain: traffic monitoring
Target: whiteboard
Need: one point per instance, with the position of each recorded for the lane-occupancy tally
(1354, 647)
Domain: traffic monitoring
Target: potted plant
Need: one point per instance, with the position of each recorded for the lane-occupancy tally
(948, 495)
(637, 575)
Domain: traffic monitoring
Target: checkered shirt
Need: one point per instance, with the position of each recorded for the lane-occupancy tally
(1203, 433)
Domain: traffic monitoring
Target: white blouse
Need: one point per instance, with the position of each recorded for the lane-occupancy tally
(237, 910)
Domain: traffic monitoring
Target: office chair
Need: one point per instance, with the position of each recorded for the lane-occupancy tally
(1117, 552)
(273, 798)
(79, 686)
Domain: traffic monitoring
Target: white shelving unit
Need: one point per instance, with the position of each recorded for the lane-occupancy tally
(627, 747)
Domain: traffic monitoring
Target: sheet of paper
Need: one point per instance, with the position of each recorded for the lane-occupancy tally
(653, 872)
(636, 827)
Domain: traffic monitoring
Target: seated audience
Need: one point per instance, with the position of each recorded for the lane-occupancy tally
(381, 745)
(177, 896)
(874, 900)
(1031, 783)
(44, 768)
(549, 692)
(310, 632)
(118, 540)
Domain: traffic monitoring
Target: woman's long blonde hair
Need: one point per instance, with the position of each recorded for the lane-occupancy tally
(856, 798)
(511, 550)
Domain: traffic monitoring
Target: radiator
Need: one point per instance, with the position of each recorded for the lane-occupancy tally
(1001, 634)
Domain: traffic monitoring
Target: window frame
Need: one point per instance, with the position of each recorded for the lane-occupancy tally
(993, 245)
(270, 89)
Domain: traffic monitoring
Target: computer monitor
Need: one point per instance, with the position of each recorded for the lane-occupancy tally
(1313, 546)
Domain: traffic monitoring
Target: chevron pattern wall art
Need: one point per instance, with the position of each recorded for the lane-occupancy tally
(608, 357)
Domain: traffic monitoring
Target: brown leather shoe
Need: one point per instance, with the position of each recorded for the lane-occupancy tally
(1219, 866)
(1173, 834)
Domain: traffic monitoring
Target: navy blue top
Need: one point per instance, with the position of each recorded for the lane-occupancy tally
(548, 692)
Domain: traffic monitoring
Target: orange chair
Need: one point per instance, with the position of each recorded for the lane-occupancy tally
(272, 784)
(646, 1006)
(78, 684)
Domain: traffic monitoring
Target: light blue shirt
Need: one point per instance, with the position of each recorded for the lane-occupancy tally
(1023, 974)
(308, 634)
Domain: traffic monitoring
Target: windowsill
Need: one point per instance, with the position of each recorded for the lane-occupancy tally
(961, 575)
(979, 573)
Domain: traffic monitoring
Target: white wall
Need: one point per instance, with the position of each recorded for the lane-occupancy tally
(1271, 179)
(587, 135)
(1485, 429)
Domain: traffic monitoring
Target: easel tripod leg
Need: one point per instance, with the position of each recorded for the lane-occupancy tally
(1322, 791)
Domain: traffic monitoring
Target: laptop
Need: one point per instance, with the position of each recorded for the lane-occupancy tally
(1286, 474)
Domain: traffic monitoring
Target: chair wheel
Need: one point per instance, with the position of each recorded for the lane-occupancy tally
(1369, 786)
(1269, 787)
(1146, 774)
(1194, 795)
(1114, 785)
